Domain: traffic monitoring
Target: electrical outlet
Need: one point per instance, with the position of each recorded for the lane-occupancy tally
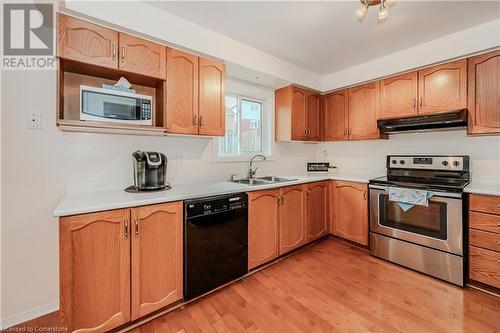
(34, 120)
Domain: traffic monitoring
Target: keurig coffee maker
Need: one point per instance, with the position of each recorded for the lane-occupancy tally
(150, 171)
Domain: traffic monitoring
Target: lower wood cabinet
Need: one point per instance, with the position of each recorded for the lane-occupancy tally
(103, 254)
(292, 218)
(350, 216)
(317, 204)
(263, 226)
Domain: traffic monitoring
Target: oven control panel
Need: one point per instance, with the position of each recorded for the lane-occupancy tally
(454, 163)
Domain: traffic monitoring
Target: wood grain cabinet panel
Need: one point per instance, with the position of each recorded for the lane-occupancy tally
(313, 123)
(484, 239)
(299, 119)
(293, 218)
(351, 211)
(398, 96)
(95, 270)
(142, 57)
(316, 205)
(484, 266)
(182, 92)
(486, 222)
(484, 203)
(263, 227)
(86, 42)
(484, 93)
(212, 87)
(443, 88)
(363, 111)
(336, 116)
(156, 257)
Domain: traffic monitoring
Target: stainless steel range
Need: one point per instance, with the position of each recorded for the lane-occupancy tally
(428, 236)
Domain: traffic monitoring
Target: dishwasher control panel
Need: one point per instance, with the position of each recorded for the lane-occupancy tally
(214, 205)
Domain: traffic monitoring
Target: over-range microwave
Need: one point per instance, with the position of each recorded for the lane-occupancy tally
(100, 104)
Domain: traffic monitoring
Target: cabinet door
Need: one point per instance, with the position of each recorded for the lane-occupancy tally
(156, 257)
(86, 42)
(351, 211)
(443, 88)
(398, 96)
(363, 111)
(316, 203)
(212, 87)
(263, 227)
(313, 117)
(299, 107)
(484, 93)
(293, 218)
(182, 92)
(336, 116)
(95, 270)
(142, 57)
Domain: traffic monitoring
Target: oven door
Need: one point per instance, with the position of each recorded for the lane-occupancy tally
(439, 225)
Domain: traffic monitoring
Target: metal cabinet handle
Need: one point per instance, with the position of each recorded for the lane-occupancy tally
(345, 131)
(123, 53)
(114, 51)
(282, 199)
(364, 195)
(125, 235)
(195, 120)
(421, 101)
(201, 122)
(305, 131)
(349, 131)
(414, 102)
(307, 193)
(136, 227)
(278, 200)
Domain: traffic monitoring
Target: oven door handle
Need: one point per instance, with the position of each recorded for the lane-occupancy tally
(436, 193)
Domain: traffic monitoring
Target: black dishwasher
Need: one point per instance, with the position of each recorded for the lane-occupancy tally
(215, 242)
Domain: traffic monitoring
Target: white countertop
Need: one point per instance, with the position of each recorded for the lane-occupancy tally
(88, 202)
(477, 187)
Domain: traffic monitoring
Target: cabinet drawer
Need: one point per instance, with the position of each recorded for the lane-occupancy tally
(484, 239)
(484, 266)
(486, 222)
(485, 203)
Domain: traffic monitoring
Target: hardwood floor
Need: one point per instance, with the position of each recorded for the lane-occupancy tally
(335, 287)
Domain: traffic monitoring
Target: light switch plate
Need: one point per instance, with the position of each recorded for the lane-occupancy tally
(34, 120)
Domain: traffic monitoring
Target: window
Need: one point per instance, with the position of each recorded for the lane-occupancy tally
(244, 134)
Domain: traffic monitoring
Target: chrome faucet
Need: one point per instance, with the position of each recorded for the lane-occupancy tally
(252, 171)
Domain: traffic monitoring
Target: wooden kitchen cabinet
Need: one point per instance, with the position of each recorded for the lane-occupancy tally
(212, 91)
(292, 218)
(156, 257)
(484, 93)
(398, 96)
(350, 219)
(363, 111)
(313, 121)
(443, 88)
(299, 114)
(143, 57)
(336, 116)
(86, 42)
(182, 92)
(316, 210)
(263, 226)
(95, 270)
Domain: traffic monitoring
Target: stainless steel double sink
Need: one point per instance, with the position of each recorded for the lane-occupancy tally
(263, 180)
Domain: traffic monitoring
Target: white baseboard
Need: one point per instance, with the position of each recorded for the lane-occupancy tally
(28, 315)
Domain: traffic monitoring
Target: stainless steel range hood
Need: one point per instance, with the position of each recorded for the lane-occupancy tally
(434, 122)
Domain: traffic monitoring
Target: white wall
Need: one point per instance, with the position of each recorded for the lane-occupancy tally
(37, 165)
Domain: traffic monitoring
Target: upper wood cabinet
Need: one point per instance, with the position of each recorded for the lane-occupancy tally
(398, 96)
(182, 92)
(293, 218)
(95, 270)
(212, 90)
(350, 216)
(336, 116)
(363, 111)
(299, 114)
(316, 208)
(92, 44)
(313, 119)
(484, 93)
(263, 226)
(142, 57)
(86, 42)
(156, 257)
(443, 88)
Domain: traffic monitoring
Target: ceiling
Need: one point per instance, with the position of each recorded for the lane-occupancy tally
(325, 37)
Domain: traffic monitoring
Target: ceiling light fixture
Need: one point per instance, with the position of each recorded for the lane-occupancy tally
(383, 12)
